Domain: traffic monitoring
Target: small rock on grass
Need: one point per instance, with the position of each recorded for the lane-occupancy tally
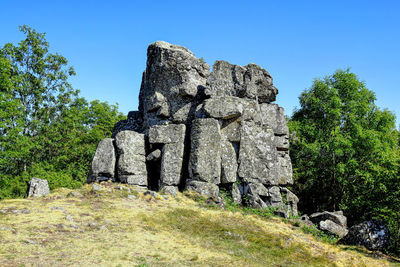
(97, 187)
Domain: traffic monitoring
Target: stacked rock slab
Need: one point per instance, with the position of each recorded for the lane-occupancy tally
(203, 131)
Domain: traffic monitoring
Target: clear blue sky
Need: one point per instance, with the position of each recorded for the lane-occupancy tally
(296, 41)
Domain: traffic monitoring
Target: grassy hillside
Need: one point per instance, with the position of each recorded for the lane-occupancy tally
(121, 226)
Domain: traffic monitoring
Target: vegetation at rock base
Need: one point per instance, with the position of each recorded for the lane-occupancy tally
(345, 153)
(121, 225)
(46, 129)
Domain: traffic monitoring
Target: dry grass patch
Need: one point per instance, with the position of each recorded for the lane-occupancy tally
(107, 228)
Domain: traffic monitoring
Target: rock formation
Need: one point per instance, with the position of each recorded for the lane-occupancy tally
(38, 188)
(202, 131)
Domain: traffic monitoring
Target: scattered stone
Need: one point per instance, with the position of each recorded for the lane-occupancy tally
(330, 222)
(203, 188)
(170, 190)
(335, 216)
(97, 187)
(38, 187)
(131, 197)
(69, 218)
(372, 234)
(92, 224)
(333, 228)
(151, 193)
(23, 211)
(31, 242)
(102, 227)
(58, 208)
(75, 194)
(7, 229)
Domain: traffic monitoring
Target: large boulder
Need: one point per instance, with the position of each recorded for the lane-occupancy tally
(257, 154)
(250, 81)
(103, 163)
(330, 222)
(166, 134)
(205, 154)
(335, 216)
(38, 187)
(132, 161)
(203, 188)
(172, 85)
(372, 234)
(223, 107)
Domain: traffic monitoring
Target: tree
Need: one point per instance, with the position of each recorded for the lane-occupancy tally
(46, 129)
(345, 154)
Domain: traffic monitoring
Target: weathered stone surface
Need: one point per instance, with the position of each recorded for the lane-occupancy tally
(223, 107)
(171, 163)
(257, 154)
(236, 193)
(274, 116)
(203, 188)
(170, 190)
(103, 163)
(134, 179)
(155, 155)
(174, 78)
(230, 130)
(330, 222)
(332, 228)
(283, 169)
(205, 155)
(260, 197)
(291, 201)
(228, 163)
(131, 164)
(250, 81)
(166, 134)
(204, 131)
(282, 142)
(132, 161)
(129, 142)
(38, 187)
(336, 217)
(373, 234)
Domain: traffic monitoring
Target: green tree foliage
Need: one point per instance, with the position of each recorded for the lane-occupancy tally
(46, 129)
(345, 152)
